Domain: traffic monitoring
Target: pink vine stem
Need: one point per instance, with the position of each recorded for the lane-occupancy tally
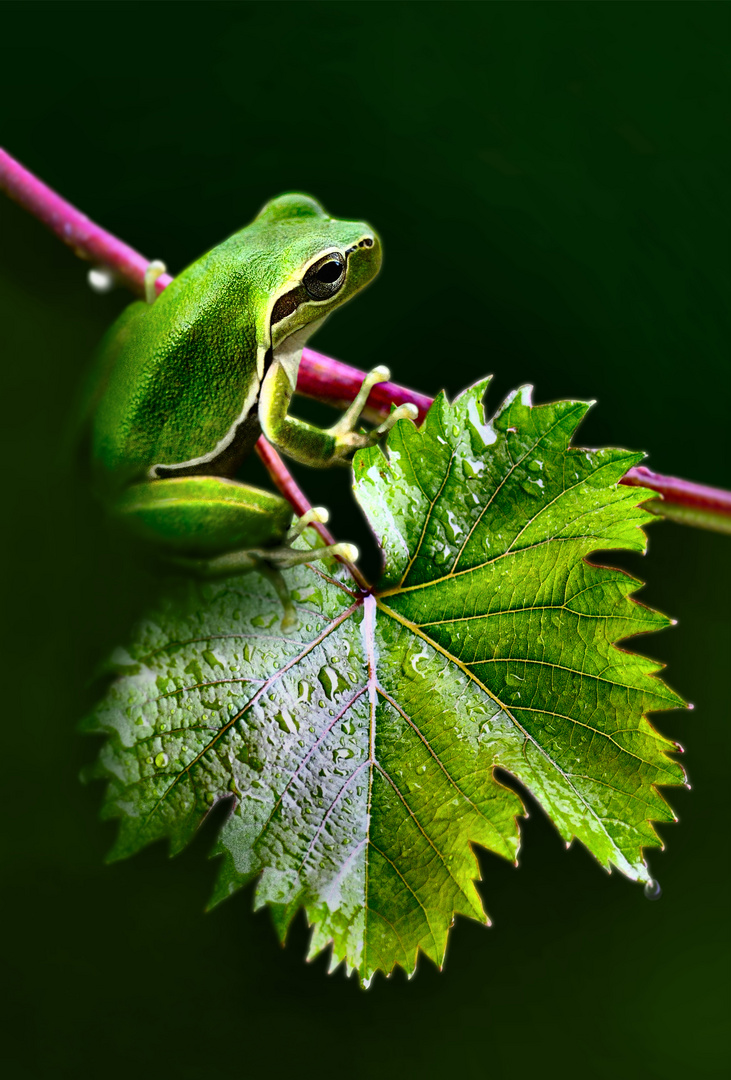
(319, 376)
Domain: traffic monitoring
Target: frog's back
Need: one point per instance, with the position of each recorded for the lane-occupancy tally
(174, 377)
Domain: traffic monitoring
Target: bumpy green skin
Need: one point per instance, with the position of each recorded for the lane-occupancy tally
(184, 386)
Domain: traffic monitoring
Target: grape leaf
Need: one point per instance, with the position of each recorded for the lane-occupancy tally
(359, 750)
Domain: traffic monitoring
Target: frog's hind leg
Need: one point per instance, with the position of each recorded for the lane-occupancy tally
(276, 558)
(214, 527)
(203, 517)
(286, 556)
(269, 562)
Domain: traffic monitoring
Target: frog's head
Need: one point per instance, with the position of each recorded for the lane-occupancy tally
(312, 264)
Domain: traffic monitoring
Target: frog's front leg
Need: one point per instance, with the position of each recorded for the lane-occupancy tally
(319, 446)
(215, 527)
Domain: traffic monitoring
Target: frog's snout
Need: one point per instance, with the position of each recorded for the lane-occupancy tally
(364, 259)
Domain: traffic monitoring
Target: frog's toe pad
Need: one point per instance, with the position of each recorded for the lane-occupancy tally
(402, 412)
(316, 515)
(379, 374)
(349, 552)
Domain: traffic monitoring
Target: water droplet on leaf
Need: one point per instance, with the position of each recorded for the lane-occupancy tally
(287, 723)
(264, 620)
(653, 890)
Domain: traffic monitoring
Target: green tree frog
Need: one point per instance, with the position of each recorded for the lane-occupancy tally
(184, 385)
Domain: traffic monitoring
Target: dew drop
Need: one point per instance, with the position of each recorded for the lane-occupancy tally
(287, 722)
(328, 680)
(653, 890)
(161, 761)
(471, 469)
(264, 620)
(100, 279)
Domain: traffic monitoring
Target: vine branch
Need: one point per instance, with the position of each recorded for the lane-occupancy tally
(320, 376)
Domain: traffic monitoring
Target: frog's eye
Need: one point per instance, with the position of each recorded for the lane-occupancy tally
(326, 276)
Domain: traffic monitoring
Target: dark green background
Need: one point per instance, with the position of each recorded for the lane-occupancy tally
(551, 184)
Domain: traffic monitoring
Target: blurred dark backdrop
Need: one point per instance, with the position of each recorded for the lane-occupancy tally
(551, 184)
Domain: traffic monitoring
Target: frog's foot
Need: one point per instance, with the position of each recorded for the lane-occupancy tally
(152, 273)
(274, 560)
(271, 561)
(285, 556)
(347, 439)
(316, 515)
